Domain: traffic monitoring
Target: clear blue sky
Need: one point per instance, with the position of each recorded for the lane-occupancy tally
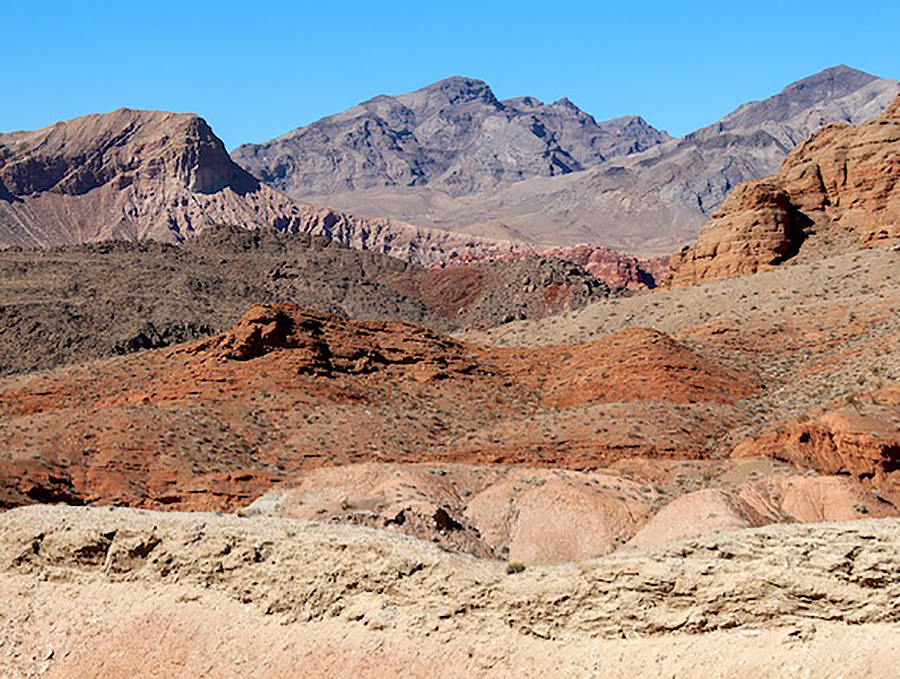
(255, 70)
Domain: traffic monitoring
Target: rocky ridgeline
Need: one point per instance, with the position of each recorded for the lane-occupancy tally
(136, 175)
(454, 134)
(133, 175)
(75, 303)
(372, 160)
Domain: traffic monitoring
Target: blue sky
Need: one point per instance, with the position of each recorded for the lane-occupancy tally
(255, 70)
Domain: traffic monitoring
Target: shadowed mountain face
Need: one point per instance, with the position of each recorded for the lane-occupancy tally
(650, 202)
(454, 135)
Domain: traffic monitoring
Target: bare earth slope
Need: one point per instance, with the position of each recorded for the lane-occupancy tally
(102, 592)
(649, 203)
(215, 422)
(76, 303)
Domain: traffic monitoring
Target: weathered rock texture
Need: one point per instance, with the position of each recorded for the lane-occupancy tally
(840, 572)
(99, 593)
(212, 423)
(76, 303)
(454, 135)
(859, 439)
(842, 181)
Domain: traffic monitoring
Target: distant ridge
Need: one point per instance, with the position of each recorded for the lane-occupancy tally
(133, 175)
(454, 135)
(649, 202)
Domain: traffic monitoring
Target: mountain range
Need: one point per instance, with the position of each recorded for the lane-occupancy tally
(132, 175)
(454, 136)
(631, 187)
(477, 177)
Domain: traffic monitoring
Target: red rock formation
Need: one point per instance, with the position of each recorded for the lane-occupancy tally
(619, 269)
(843, 179)
(212, 423)
(614, 267)
(860, 439)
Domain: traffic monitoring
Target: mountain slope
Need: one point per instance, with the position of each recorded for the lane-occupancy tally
(454, 135)
(651, 202)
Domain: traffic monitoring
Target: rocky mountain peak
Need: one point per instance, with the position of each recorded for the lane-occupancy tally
(453, 135)
(459, 89)
(820, 89)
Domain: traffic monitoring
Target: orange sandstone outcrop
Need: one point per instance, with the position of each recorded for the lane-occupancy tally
(211, 424)
(842, 181)
(860, 439)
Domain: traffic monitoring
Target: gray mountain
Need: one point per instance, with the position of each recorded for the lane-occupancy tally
(650, 202)
(455, 136)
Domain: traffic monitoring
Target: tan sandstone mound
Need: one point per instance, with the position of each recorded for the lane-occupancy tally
(534, 516)
(104, 592)
(789, 499)
(841, 183)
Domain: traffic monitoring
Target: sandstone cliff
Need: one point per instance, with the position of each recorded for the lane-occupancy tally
(839, 184)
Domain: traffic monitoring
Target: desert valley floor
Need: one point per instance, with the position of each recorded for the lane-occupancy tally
(244, 435)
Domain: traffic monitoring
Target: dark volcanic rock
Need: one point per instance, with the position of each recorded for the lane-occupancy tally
(75, 303)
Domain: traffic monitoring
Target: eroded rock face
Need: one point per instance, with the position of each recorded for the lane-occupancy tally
(324, 345)
(212, 423)
(843, 179)
(860, 439)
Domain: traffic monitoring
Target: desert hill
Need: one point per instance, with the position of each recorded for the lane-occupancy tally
(210, 423)
(837, 190)
(649, 203)
(667, 403)
(75, 303)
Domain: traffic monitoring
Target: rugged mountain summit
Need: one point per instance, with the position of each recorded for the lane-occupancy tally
(842, 183)
(454, 135)
(648, 203)
(133, 175)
